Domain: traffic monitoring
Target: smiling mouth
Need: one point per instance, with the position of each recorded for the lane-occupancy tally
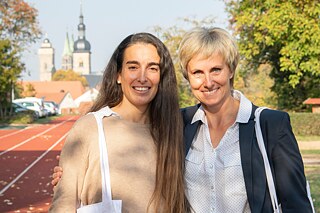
(141, 89)
(210, 92)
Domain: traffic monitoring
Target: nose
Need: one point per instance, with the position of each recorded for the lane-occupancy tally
(142, 78)
(208, 81)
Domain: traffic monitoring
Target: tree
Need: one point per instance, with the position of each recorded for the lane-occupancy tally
(18, 28)
(18, 22)
(171, 37)
(69, 75)
(285, 35)
(10, 70)
(29, 91)
(257, 86)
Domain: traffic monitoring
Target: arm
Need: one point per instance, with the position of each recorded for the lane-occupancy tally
(287, 164)
(74, 160)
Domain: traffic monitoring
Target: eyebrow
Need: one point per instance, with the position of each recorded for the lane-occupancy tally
(149, 64)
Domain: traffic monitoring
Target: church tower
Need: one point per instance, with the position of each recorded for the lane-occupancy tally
(46, 59)
(67, 55)
(81, 52)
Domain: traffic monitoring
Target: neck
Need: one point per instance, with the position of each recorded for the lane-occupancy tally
(223, 115)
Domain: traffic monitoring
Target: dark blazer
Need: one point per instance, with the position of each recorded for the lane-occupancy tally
(284, 156)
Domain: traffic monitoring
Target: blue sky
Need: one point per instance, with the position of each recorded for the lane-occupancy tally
(108, 22)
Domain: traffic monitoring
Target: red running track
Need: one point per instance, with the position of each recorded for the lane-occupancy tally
(27, 158)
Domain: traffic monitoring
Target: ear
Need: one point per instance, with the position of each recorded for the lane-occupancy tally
(119, 79)
(231, 75)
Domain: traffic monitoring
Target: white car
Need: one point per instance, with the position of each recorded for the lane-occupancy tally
(33, 105)
(51, 107)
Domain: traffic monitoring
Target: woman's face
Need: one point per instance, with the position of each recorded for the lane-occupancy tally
(209, 79)
(140, 75)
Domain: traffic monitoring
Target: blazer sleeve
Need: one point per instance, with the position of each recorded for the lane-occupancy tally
(286, 162)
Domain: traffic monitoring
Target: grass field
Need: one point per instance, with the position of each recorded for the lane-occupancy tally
(308, 138)
(313, 176)
(312, 172)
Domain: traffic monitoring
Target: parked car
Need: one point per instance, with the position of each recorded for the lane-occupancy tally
(52, 107)
(19, 109)
(33, 105)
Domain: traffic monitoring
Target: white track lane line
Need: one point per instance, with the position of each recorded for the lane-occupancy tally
(13, 133)
(29, 139)
(31, 165)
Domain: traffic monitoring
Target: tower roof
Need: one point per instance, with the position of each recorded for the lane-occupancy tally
(67, 49)
(81, 44)
(46, 43)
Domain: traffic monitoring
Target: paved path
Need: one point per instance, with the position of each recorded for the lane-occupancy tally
(307, 145)
(310, 159)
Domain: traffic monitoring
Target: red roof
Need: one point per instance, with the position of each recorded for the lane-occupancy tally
(56, 97)
(312, 101)
(74, 87)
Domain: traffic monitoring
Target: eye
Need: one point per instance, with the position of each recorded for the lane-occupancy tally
(216, 70)
(133, 68)
(154, 68)
(197, 73)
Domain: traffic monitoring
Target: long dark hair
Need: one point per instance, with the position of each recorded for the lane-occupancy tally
(165, 119)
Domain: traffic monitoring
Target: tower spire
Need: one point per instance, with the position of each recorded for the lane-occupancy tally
(81, 26)
(81, 52)
(81, 8)
(66, 49)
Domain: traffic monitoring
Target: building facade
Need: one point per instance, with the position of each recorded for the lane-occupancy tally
(76, 55)
(46, 59)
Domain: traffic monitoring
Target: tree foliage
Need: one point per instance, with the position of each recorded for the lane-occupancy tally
(10, 70)
(28, 91)
(69, 75)
(285, 35)
(257, 86)
(18, 22)
(171, 37)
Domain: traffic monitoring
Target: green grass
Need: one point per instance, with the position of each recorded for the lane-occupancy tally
(310, 152)
(313, 176)
(308, 138)
(25, 119)
(46, 119)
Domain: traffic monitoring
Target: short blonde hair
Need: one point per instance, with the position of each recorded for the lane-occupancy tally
(207, 42)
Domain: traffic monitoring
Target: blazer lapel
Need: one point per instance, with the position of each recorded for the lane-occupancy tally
(189, 133)
(189, 129)
(252, 165)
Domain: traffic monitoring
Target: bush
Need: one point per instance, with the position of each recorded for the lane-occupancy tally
(19, 118)
(26, 118)
(305, 124)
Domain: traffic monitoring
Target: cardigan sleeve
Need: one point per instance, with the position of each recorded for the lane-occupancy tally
(287, 163)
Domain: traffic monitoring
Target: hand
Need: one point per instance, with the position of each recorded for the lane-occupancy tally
(57, 173)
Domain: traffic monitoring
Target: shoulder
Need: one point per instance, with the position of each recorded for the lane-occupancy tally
(83, 128)
(188, 112)
(274, 116)
(275, 121)
(186, 109)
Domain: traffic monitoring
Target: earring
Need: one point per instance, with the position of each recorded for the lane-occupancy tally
(118, 82)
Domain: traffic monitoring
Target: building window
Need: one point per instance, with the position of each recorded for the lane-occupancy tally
(81, 64)
(45, 66)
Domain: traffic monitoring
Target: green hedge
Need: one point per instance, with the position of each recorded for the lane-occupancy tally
(305, 124)
(21, 118)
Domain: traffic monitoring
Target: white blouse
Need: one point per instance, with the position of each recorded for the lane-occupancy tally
(214, 177)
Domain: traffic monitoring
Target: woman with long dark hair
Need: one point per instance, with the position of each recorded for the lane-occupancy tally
(140, 148)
